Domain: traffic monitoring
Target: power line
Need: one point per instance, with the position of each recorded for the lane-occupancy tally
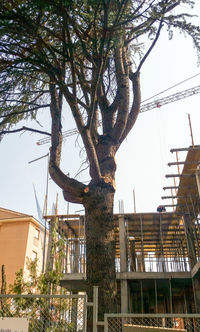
(173, 86)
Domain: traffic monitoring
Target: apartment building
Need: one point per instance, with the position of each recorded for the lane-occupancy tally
(21, 237)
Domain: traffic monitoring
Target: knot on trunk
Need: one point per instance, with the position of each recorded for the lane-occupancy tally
(104, 186)
(108, 164)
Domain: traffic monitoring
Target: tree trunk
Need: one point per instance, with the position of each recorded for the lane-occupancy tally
(100, 246)
(3, 279)
(3, 288)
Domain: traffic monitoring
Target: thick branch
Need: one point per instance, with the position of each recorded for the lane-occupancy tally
(123, 87)
(107, 111)
(72, 189)
(135, 109)
(85, 134)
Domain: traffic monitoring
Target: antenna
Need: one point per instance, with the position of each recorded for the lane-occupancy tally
(44, 208)
(134, 202)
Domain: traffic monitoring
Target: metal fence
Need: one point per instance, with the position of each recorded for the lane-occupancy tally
(169, 322)
(47, 313)
(67, 313)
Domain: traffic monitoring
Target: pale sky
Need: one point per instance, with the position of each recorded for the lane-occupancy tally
(143, 157)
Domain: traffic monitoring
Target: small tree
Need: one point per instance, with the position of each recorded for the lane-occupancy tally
(87, 54)
(44, 313)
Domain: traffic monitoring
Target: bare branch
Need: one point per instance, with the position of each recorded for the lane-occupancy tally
(151, 47)
(135, 109)
(9, 116)
(3, 132)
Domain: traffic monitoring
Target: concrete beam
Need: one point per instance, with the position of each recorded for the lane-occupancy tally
(152, 275)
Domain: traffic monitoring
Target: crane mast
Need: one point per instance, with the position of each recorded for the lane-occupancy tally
(144, 108)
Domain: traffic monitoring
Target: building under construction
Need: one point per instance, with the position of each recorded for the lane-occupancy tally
(157, 254)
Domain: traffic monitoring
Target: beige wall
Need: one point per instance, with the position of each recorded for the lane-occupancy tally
(35, 245)
(18, 240)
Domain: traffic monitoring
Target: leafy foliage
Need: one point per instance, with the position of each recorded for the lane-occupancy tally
(44, 313)
(72, 44)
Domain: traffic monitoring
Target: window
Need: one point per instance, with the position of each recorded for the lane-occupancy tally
(34, 256)
(37, 234)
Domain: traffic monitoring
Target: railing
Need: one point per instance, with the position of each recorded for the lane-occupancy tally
(75, 258)
(75, 261)
(157, 264)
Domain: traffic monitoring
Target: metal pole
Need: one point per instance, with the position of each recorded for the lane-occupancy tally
(142, 244)
(162, 250)
(177, 163)
(45, 213)
(134, 202)
(172, 199)
(85, 314)
(95, 308)
(190, 125)
(194, 228)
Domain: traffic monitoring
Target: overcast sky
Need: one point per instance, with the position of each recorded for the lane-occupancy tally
(143, 157)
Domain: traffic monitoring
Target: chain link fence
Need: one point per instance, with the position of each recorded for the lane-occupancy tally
(46, 313)
(158, 322)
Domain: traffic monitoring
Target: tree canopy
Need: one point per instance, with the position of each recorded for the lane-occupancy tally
(88, 53)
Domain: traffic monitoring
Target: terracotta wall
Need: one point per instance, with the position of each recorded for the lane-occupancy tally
(13, 242)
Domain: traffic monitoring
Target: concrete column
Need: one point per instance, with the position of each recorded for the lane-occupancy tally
(123, 263)
(132, 255)
(196, 290)
(190, 240)
(76, 255)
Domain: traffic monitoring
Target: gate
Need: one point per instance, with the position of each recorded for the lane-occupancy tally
(47, 313)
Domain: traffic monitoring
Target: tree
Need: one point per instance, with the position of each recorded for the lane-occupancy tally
(87, 54)
(44, 313)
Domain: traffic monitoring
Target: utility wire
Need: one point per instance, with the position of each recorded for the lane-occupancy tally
(187, 79)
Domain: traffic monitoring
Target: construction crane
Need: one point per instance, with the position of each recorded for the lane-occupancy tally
(144, 108)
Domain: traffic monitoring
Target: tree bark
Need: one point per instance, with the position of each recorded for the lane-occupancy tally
(100, 244)
(3, 287)
(3, 279)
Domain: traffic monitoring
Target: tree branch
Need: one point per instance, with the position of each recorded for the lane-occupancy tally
(151, 47)
(135, 109)
(3, 132)
(8, 116)
(123, 87)
(73, 190)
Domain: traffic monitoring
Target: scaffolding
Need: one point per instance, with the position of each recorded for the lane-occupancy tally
(156, 254)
